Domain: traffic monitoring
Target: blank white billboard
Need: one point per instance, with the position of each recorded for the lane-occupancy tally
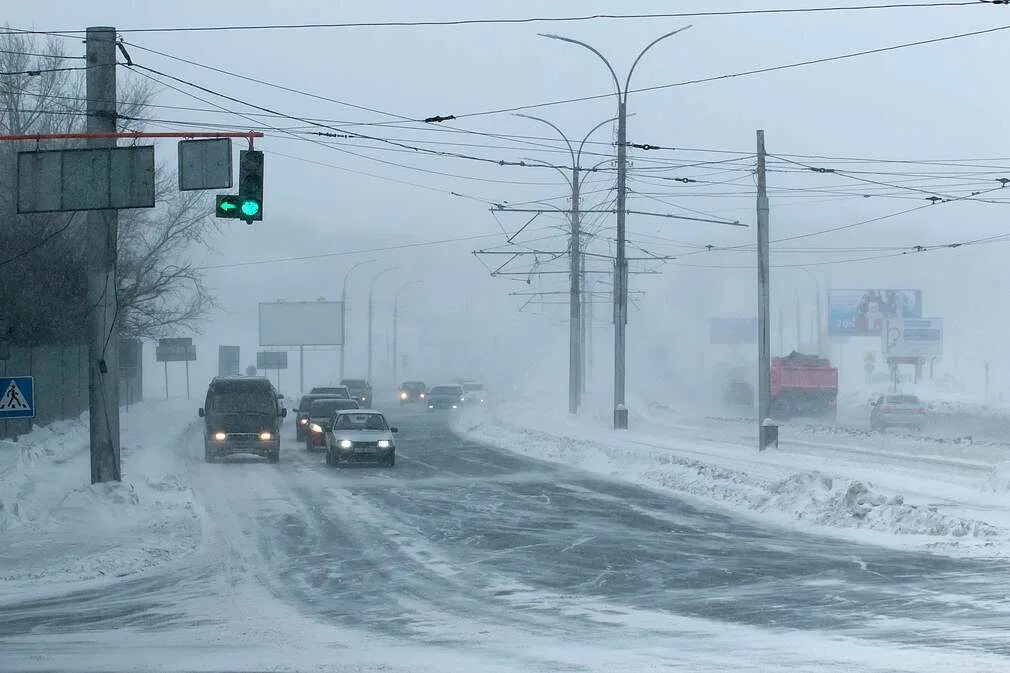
(302, 323)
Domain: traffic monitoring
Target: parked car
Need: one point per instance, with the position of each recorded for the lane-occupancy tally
(241, 414)
(897, 410)
(302, 413)
(449, 396)
(412, 391)
(361, 391)
(332, 391)
(321, 419)
(361, 436)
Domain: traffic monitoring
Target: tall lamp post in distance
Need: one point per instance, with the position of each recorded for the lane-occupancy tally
(576, 346)
(371, 315)
(343, 313)
(396, 326)
(621, 270)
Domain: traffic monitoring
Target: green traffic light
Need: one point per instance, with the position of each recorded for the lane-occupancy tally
(250, 208)
(227, 206)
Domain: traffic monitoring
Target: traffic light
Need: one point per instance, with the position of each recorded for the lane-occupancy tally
(227, 205)
(250, 186)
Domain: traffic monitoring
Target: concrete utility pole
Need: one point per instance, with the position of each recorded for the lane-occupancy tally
(576, 323)
(343, 311)
(621, 264)
(396, 329)
(764, 334)
(371, 315)
(102, 228)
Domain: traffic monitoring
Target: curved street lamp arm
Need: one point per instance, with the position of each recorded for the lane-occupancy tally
(379, 275)
(355, 266)
(553, 126)
(617, 82)
(538, 162)
(627, 82)
(578, 158)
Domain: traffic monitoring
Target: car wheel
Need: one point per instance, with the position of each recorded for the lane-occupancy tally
(391, 461)
(208, 455)
(329, 458)
(274, 456)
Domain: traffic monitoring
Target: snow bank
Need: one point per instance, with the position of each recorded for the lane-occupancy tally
(729, 475)
(56, 526)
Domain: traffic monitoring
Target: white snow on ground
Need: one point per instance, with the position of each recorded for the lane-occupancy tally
(946, 497)
(57, 527)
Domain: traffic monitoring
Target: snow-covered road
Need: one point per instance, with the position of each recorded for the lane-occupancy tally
(468, 556)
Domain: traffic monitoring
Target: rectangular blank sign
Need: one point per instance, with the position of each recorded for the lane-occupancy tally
(205, 164)
(89, 179)
(272, 360)
(302, 323)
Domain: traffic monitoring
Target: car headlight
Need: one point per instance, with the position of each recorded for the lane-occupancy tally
(303, 421)
(346, 443)
(315, 427)
(403, 396)
(364, 398)
(385, 443)
(455, 406)
(431, 406)
(266, 436)
(422, 396)
(220, 436)
(461, 399)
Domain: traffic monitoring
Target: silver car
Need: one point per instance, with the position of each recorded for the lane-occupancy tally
(360, 436)
(897, 410)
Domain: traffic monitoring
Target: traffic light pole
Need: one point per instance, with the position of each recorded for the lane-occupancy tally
(102, 232)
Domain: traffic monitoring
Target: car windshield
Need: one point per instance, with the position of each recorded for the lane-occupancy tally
(902, 399)
(306, 402)
(412, 385)
(360, 422)
(355, 383)
(446, 390)
(254, 401)
(472, 387)
(325, 408)
(333, 391)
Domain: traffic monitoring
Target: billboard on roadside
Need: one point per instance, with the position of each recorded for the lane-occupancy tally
(862, 312)
(912, 337)
(272, 360)
(302, 323)
(733, 331)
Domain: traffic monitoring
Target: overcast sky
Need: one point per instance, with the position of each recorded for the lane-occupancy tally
(940, 101)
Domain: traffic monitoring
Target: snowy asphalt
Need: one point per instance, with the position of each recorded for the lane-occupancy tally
(461, 543)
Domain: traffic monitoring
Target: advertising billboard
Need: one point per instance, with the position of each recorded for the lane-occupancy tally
(912, 337)
(227, 360)
(862, 312)
(302, 323)
(733, 330)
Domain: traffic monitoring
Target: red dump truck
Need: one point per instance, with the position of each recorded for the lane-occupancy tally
(803, 385)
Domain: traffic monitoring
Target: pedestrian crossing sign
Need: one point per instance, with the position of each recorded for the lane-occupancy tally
(17, 397)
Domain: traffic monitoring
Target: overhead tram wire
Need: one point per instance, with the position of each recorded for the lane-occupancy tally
(537, 19)
(745, 73)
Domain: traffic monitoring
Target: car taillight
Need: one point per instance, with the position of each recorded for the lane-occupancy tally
(920, 410)
(888, 409)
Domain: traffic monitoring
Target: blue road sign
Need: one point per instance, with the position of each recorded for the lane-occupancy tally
(17, 397)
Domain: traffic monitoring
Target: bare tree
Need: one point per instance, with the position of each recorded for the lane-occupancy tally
(159, 289)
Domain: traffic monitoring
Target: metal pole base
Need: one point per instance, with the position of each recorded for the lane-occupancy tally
(621, 418)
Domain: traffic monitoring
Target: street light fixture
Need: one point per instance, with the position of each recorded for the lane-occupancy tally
(343, 313)
(621, 270)
(396, 325)
(576, 345)
(371, 312)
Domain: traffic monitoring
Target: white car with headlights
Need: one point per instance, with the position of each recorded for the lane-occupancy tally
(360, 436)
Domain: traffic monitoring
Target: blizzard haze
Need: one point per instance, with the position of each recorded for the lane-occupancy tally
(516, 528)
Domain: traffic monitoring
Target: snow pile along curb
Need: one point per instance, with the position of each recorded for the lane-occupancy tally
(807, 498)
(58, 527)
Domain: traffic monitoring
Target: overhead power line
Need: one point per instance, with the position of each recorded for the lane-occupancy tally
(541, 19)
(744, 73)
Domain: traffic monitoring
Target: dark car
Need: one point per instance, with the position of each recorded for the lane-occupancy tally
(412, 391)
(332, 391)
(242, 415)
(446, 397)
(302, 413)
(321, 419)
(361, 391)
